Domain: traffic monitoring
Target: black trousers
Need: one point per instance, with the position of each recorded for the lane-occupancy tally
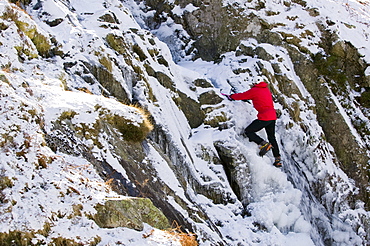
(269, 127)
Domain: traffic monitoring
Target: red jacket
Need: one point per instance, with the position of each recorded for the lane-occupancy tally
(262, 101)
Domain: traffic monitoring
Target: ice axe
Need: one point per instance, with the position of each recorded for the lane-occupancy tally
(228, 97)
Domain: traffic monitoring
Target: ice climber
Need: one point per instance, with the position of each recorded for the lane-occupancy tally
(262, 101)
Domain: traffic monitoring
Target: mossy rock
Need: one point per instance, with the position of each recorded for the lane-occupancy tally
(339, 49)
(16, 238)
(109, 17)
(117, 43)
(131, 131)
(139, 52)
(217, 120)
(191, 109)
(55, 22)
(210, 98)
(165, 80)
(365, 99)
(131, 213)
(202, 83)
(300, 2)
(263, 54)
(23, 238)
(4, 79)
(41, 42)
(162, 60)
(102, 73)
(291, 39)
(245, 50)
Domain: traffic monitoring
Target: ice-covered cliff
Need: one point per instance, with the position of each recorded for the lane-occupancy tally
(113, 128)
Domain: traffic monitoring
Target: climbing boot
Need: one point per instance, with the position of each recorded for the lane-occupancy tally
(277, 162)
(265, 147)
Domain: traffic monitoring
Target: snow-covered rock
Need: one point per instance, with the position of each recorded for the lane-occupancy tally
(93, 108)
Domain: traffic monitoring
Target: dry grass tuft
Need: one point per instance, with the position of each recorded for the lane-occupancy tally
(186, 239)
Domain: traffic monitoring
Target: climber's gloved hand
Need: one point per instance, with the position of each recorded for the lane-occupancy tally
(228, 97)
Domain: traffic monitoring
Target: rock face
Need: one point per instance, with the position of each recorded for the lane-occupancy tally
(237, 171)
(131, 154)
(137, 156)
(131, 213)
(351, 153)
(337, 70)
